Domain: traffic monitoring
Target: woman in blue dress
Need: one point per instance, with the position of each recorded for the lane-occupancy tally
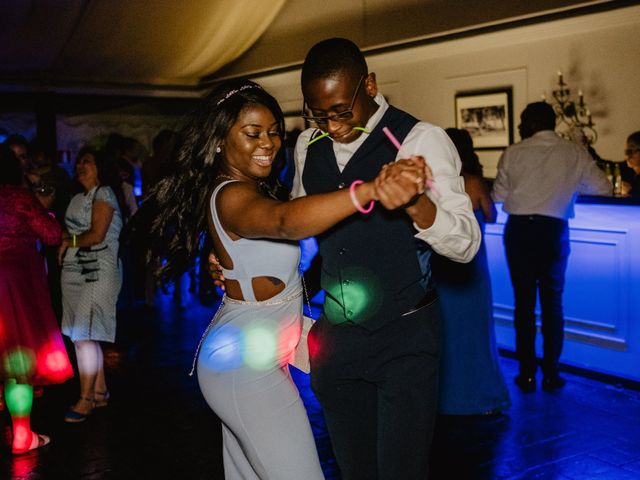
(471, 381)
(220, 185)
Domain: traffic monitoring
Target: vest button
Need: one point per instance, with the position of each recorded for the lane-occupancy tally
(350, 313)
(346, 282)
(342, 251)
(342, 185)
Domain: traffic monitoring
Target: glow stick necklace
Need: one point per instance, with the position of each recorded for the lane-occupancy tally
(326, 134)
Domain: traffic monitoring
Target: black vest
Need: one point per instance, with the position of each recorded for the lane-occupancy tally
(370, 268)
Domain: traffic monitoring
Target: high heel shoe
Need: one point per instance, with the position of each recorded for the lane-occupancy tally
(37, 441)
(73, 416)
(101, 399)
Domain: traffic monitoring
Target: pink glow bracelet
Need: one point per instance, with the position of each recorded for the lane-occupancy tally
(430, 183)
(354, 199)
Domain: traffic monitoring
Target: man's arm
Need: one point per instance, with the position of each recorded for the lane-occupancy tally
(500, 187)
(444, 220)
(299, 157)
(593, 180)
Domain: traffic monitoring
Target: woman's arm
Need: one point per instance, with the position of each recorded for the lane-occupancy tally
(245, 212)
(480, 196)
(488, 208)
(101, 216)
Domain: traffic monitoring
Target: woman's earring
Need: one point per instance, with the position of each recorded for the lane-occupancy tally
(218, 149)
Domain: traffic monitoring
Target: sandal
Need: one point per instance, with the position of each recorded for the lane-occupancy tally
(37, 441)
(73, 416)
(104, 399)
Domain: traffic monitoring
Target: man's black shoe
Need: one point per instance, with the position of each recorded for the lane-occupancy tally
(553, 383)
(526, 384)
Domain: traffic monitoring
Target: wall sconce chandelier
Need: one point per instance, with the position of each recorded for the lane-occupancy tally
(572, 117)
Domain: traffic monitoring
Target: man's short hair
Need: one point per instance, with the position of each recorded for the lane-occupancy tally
(540, 114)
(331, 57)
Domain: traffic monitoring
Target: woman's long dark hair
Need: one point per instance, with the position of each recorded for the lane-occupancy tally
(464, 144)
(178, 203)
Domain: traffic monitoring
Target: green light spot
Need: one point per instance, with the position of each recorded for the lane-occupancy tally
(19, 398)
(19, 362)
(260, 345)
(357, 297)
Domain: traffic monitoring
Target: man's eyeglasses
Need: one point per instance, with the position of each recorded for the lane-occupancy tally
(630, 151)
(336, 117)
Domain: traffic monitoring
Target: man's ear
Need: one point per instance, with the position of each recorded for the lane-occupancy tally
(370, 85)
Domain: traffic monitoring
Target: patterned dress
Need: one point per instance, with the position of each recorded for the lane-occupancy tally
(91, 276)
(31, 347)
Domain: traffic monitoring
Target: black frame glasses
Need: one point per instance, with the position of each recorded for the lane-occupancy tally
(336, 117)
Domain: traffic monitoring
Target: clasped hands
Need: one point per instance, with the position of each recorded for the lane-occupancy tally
(400, 183)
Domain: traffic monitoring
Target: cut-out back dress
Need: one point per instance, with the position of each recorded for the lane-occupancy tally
(242, 365)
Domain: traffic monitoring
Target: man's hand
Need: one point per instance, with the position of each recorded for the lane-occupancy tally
(400, 184)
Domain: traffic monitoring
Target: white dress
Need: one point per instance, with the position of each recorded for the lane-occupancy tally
(91, 277)
(242, 367)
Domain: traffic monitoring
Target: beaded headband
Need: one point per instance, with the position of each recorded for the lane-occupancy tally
(231, 93)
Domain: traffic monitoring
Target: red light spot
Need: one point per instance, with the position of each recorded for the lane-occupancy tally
(21, 433)
(53, 362)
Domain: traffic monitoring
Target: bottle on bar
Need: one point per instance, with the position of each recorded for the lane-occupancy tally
(607, 172)
(617, 180)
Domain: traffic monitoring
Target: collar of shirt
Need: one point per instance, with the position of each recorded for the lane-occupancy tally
(344, 151)
(544, 133)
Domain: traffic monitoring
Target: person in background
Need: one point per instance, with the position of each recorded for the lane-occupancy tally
(631, 182)
(156, 166)
(32, 351)
(48, 178)
(122, 152)
(471, 381)
(128, 160)
(538, 179)
(47, 174)
(91, 276)
(375, 351)
(20, 147)
(153, 170)
(127, 151)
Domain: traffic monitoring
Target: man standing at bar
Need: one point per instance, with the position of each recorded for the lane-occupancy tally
(375, 350)
(538, 179)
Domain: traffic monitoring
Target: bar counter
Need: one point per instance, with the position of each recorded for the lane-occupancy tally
(602, 289)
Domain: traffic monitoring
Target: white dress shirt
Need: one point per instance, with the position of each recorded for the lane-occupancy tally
(542, 174)
(455, 233)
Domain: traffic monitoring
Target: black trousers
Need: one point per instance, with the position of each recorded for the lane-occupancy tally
(537, 249)
(378, 392)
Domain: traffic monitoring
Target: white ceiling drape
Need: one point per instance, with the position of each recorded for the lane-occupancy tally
(147, 42)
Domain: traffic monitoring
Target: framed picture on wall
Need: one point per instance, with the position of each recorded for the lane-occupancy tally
(487, 115)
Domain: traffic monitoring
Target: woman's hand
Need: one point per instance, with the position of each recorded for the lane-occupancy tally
(215, 271)
(400, 183)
